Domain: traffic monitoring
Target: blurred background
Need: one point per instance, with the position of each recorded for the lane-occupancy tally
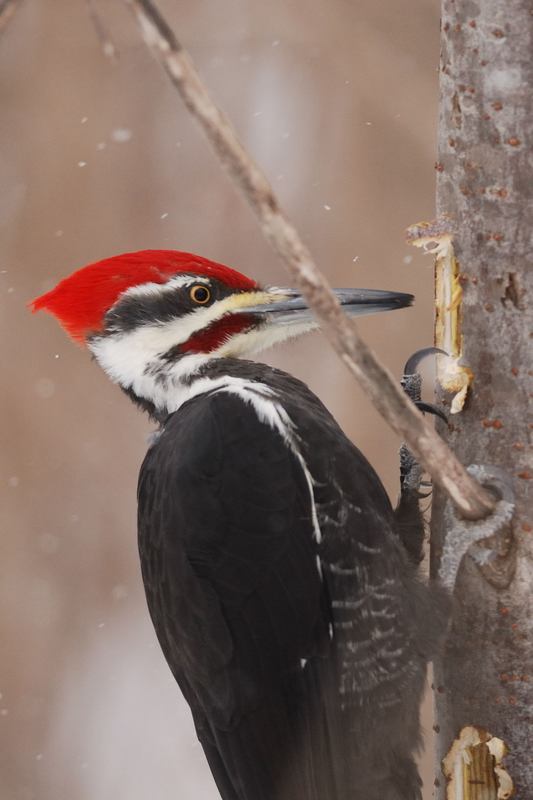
(337, 99)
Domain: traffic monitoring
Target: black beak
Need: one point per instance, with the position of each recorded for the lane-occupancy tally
(287, 306)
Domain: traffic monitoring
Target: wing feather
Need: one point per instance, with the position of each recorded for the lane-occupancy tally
(229, 566)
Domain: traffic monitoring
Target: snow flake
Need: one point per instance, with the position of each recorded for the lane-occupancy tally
(121, 135)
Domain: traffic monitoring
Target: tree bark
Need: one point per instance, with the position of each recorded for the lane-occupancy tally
(484, 678)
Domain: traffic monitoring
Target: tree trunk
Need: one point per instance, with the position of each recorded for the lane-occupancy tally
(484, 678)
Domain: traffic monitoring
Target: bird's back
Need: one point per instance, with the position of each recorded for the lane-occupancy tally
(282, 597)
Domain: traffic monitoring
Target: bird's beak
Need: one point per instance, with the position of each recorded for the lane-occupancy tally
(287, 306)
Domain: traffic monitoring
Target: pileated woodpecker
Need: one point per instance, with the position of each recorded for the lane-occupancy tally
(282, 595)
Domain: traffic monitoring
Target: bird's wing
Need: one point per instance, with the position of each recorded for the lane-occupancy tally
(229, 563)
(385, 621)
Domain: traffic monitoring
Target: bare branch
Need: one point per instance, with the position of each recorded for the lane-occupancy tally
(7, 10)
(470, 498)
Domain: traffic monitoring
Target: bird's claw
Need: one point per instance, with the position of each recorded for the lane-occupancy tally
(412, 381)
(408, 514)
(414, 361)
(430, 408)
(410, 473)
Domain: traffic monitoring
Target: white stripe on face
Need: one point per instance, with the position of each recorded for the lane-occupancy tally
(154, 289)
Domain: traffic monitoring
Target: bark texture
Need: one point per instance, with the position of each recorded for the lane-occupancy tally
(485, 184)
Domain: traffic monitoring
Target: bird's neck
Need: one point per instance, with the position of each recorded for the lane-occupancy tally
(164, 388)
(161, 380)
(156, 378)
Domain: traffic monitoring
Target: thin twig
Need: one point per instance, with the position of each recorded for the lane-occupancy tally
(106, 43)
(7, 10)
(471, 499)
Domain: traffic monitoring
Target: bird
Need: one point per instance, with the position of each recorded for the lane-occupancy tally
(282, 586)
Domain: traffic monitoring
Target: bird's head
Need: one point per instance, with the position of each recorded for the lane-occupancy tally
(153, 318)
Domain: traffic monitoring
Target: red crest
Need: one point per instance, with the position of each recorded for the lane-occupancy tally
(81, 301)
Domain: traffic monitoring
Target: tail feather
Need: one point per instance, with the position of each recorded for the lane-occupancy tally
(287, 750)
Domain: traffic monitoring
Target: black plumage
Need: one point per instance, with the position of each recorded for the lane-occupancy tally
(301, 653)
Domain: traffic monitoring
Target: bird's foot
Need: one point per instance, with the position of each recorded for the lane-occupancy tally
(408, 515)
(430, 408)
(410, 472)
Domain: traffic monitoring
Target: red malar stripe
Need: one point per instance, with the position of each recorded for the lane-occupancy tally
(211, 338)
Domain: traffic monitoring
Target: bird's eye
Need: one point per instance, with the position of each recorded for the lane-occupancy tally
(200, 294)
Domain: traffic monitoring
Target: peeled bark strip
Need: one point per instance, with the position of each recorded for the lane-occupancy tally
(437, 237)
(485, 186)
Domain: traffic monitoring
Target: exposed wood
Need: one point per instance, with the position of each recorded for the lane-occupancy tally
(473, 767)
(485, 185)
(472, 500)
(453, 376)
